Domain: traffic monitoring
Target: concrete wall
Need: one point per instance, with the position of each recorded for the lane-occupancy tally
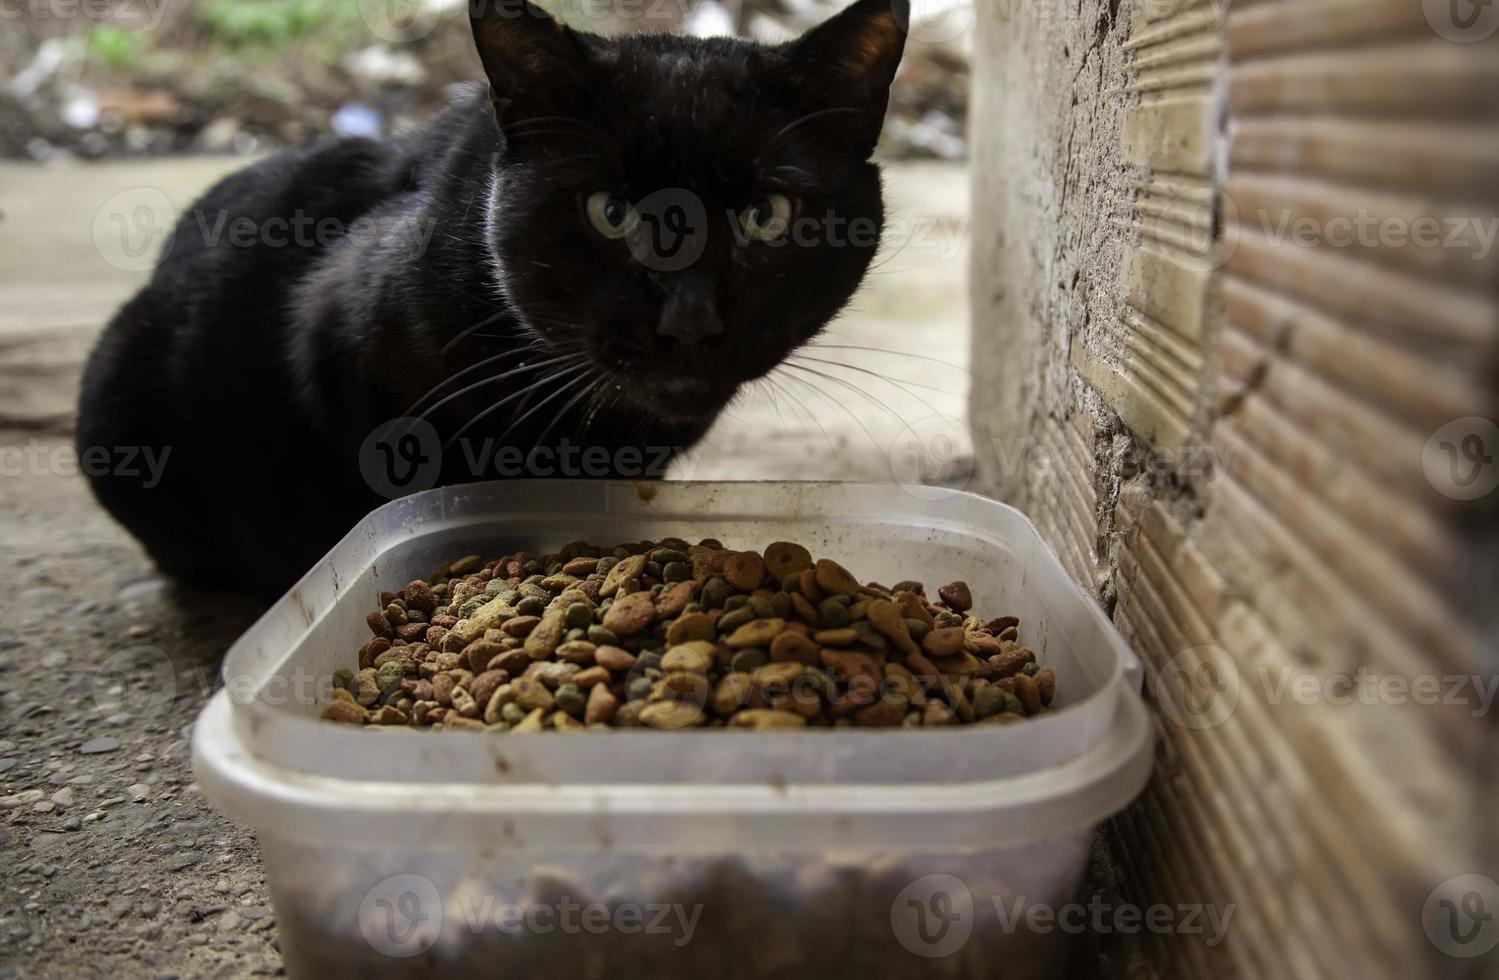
(1218, 353)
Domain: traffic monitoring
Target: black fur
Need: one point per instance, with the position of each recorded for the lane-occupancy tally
(260, 366)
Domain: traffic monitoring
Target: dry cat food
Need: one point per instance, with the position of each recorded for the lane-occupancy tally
(669, 635)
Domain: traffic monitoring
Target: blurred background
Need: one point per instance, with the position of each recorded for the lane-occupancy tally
(150, 77)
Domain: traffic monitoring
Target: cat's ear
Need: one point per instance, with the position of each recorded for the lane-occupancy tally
(850, 59)
(536, 65)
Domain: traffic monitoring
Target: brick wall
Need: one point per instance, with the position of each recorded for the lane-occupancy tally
(1236, 331)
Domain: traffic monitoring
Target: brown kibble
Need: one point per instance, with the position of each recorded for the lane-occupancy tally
(805, 610)
(885, 616)
(756, 633)
(465, 565)
(543, 640)
(732, 693)
(1028, 693)
(693, 626)
(671, 714)
(998, 626)
(808, 588)
(766, 719)
(881, 714)
(379, 625)
(1046, 684)
(671, 601)
(520, 626)
(601, 705)
(785, 558)
(591, 677)
(944, 642)
(834, 579)
(347, 711)
(1010, 662)
(858, 669)
(613, 658)
(745, 570)
(981, 644)
(630, 614)
(790, 646)
(419, 595)
(957, 596)
(483, 686)
(628, 568)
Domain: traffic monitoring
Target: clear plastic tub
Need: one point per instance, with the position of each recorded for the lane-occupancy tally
(669, 854)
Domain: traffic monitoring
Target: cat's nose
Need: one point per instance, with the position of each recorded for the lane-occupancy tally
(690, 313)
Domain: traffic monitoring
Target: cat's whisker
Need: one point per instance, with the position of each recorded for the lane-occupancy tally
(888, 379)
(467, 331)
(476, 366)
(579, 376)
(900, 353)
(848, 411)
(522, 369)
(589, 380)
(832, 446)
(475, 420)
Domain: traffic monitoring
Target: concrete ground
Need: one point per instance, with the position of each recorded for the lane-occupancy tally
(113, 863)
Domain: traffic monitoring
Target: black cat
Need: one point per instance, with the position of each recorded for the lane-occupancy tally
(601, 249)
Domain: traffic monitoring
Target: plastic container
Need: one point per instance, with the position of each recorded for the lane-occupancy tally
(668, 854)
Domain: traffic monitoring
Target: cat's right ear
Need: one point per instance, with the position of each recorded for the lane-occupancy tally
(535, 64)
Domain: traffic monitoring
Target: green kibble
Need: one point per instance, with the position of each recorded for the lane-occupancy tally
(574, 634)
(692, 607)
(715, 593)
(600, 635)
(676, 571)
(668, 556)
(602, 568)
(569, 698)
(917, 628)
(638, 689)
(653, 569)
(579, 616)
(736, 602)
(834, 614)
(732, 620)
(650, 660)
(344, 677)
(1012, 703)
(531, 606)
(781, 607)
(988, 701)
(389, 674)
(869, 636)
(749, 659)
(761, 606)
(512, 713)
(495, 586)
(1031, 668)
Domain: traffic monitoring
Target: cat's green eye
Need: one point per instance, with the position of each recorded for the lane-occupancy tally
(768, 218)
(610, 214)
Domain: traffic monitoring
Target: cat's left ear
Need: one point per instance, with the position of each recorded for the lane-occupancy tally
(850, 60)
(536, 65)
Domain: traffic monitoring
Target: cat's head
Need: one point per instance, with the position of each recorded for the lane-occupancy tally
(686, 212)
